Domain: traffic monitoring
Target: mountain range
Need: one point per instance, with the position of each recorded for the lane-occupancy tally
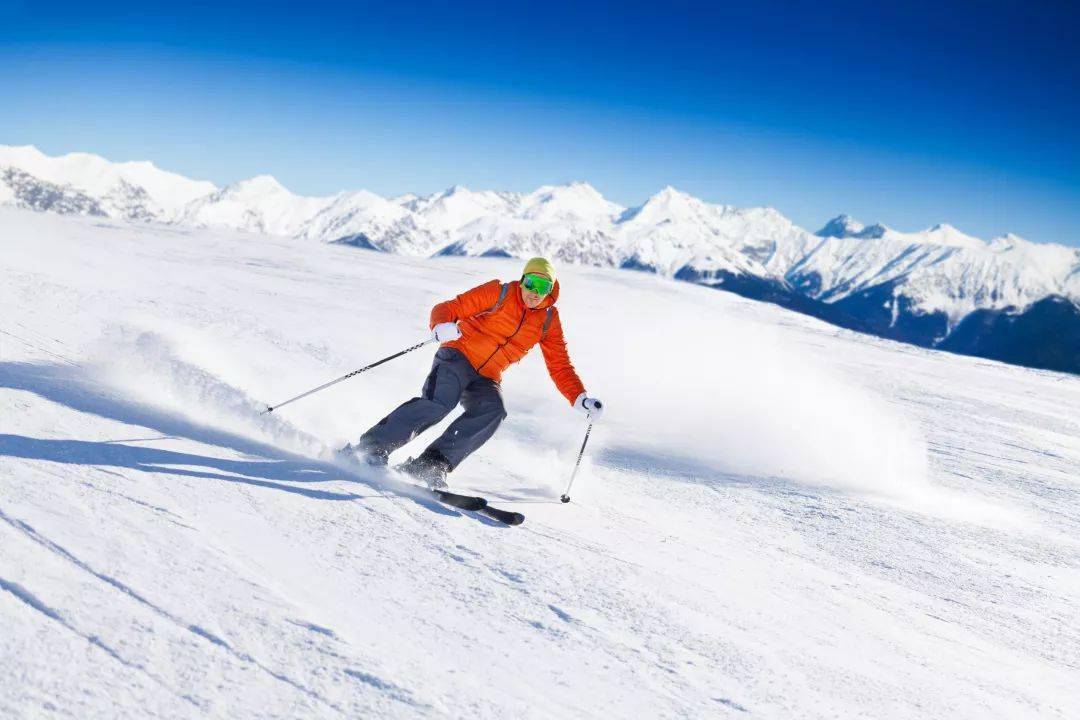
(1006, 298)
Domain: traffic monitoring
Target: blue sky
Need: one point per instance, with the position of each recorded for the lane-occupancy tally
(909, 113)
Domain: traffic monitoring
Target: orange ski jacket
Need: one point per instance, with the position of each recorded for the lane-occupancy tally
(496, 334)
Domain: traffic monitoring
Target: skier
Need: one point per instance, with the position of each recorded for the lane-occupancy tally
(483, 331)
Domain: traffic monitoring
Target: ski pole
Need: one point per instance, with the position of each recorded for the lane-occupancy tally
(566, 495)
(417, 346)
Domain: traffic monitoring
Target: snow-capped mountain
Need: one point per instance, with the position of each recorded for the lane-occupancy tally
(354, 216)
(916, 287)
(569, 222)
(842, 226)
(128, 190)
(260, 205)
(21, 189)
(940, 269)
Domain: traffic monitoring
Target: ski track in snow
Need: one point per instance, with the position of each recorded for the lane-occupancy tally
(797, 522)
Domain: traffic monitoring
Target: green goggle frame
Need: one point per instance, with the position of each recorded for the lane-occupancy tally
(537, 283)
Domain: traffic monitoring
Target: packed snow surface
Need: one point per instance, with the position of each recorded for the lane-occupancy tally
(775, 518)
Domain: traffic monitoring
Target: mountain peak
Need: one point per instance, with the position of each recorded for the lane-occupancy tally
(669, 197)
(571, 202)
(21, 151)
(669, 192)
(258, 184)
(576, 189)
(946, 234)
(115, 184)
(1006, 242)
(841, 226)
(666, 206)
(872, 232)
(578, 186)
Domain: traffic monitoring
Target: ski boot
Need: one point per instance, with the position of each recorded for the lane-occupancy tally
(430, 468)
(365, 453)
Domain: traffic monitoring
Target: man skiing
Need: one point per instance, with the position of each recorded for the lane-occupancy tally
(482, 331)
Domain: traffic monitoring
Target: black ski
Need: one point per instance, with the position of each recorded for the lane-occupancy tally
(473, 503)
(464, 502)
(478, 504)
(504, 516)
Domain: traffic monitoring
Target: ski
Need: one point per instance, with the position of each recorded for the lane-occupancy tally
(504, 516)
(462, 502)
(472, 503)
(478, 504)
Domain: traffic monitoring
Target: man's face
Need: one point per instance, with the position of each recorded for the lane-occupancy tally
(531, 299)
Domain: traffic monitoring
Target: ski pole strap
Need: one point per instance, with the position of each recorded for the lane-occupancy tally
(417, 346)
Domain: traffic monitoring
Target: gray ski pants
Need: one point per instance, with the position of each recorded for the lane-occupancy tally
(452, 380)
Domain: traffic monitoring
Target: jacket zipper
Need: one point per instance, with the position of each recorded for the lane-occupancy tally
(508, 339)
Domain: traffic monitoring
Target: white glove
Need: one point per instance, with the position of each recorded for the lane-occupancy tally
(445, 332)
(590, 406)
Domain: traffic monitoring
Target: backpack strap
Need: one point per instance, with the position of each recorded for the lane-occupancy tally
(503, 291)
(502, 296)
(547, 321)
(498, 303)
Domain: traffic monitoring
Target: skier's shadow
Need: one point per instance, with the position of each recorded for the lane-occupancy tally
(269, 466)
(262, 473)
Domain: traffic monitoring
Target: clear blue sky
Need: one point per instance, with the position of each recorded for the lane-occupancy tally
(908, 113)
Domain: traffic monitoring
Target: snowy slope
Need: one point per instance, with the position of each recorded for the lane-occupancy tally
(776, 518)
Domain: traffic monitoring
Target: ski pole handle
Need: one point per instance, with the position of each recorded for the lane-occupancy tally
(566, 495)
(272, 408)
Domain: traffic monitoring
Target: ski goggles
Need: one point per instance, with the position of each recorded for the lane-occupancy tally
(537, 283)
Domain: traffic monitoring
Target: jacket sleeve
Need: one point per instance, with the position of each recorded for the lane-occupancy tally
(557, 359)
(467, 304)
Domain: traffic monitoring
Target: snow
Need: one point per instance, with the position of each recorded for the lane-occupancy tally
(366, 213)
(775, 518)
(459, 206)
(947, 235)
(841, 226)
(576, 202)
(941, 269)
(98, 177)
(260, 204)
